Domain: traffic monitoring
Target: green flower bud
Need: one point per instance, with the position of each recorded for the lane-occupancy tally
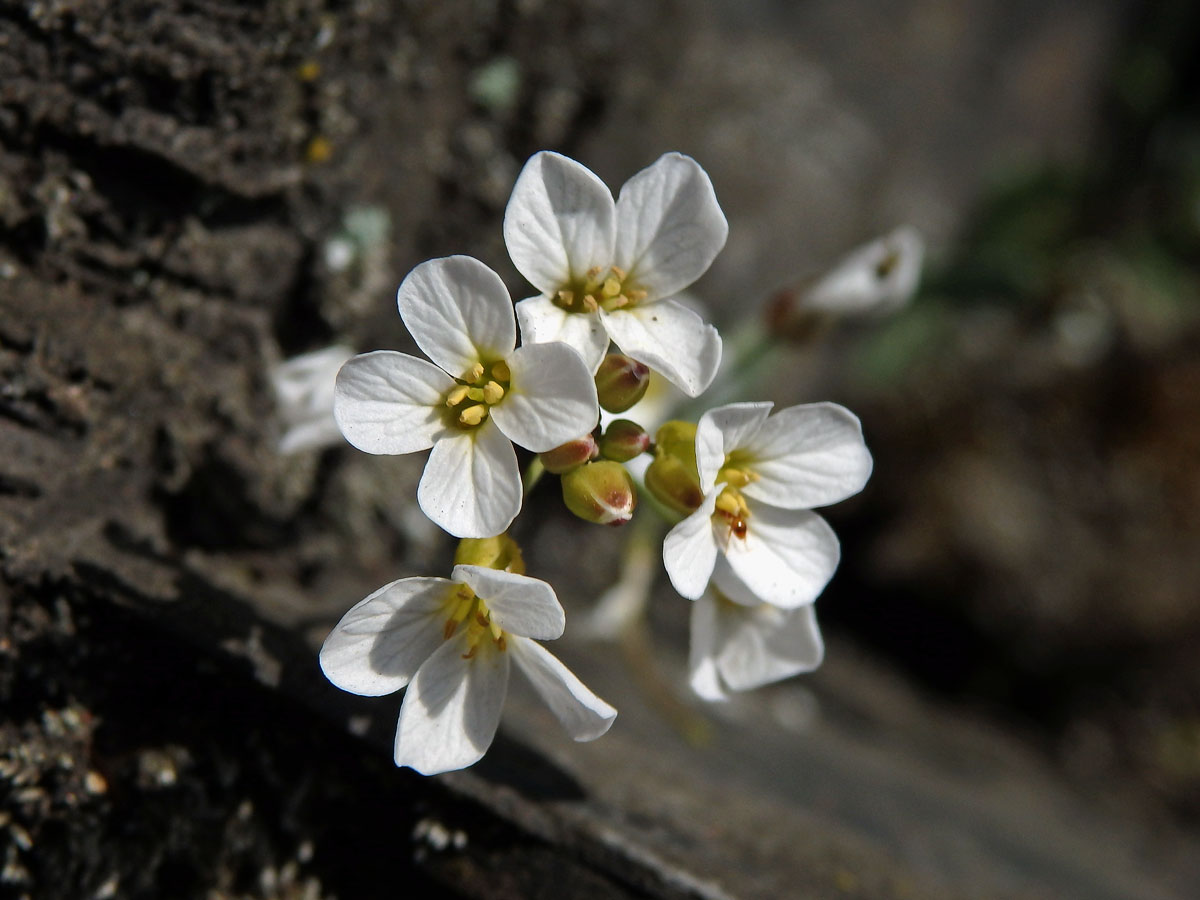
(499, 552)
(621, 382)
(673, 477)
(623, 440)
(600, 492)
(571, 455)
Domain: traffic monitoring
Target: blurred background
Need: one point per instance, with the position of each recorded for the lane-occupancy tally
(192, 192)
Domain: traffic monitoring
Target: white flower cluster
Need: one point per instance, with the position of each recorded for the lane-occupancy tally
(747, 547)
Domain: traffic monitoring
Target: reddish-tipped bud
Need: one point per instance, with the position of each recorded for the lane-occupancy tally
(600, 492)
(623, 440)
(571, 455)
(621, 382)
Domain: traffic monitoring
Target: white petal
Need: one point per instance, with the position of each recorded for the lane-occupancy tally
(459, 312)
(669, 338)
(452, 708)
(690, 550)
(559, 222)
(543, 322)
(304, 388)
(762, 644)
(669, 225)
(806, 456)
(787, 556)
(584, 715)
(702, 650)
(878, 277)
(725, 580)
(472, 486)
(519, 604)
(382, 640)
(389, 402)
(552, 399)
(722, 430)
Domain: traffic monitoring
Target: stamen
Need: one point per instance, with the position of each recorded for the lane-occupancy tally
(474, 374)
(475, 394)
(473, 415)
(590, 304)
(492, 393)
(566, 298)
(619, 272)
(501, 372)
(457, 395)
(635, 294)
(611, 287)
(470, 654)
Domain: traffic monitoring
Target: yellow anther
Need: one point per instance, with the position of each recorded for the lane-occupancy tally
(472, 415)
(728, 503)
(475, 394)
(497, 632)
(590, 304)
(457, 395)
(616, 302)
(448, 631)
(501, 643)
(635, 294)
(492, 392)
(474, 373)
(619, 272)
(470, 654)
(738, 477)
(567, 297)
(482, 618)
(501, 372)
(593, 273)
(611, 287)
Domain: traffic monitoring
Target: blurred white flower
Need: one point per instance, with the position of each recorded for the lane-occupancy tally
(755, 534)
(876, 278)
(610, 269)
(735, 647)
(450, 643)
(304, 398)
(481, 394)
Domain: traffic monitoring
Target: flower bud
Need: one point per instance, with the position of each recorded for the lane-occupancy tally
(600, 492)
(499, 552)
(623, 440)
(621, 382)
(571, 455)
(673, 477)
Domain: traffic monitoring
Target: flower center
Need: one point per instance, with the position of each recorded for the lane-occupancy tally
(473, 395)
(467, 608)
(606, 289)
(733, 512)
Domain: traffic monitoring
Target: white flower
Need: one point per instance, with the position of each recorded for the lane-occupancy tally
(754, 534)
(609, 270)
(876, 278)
(481, 395)
(735, 647)
(304, 397)
(450, 643)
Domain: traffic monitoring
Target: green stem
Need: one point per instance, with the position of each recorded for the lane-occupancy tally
(533, 475)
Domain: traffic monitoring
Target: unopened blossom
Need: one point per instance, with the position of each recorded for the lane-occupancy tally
(876, 278)
(738, 647)
(480, 395)
(754, 533)
(304, 398)
(451, 643)
(608, 269)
